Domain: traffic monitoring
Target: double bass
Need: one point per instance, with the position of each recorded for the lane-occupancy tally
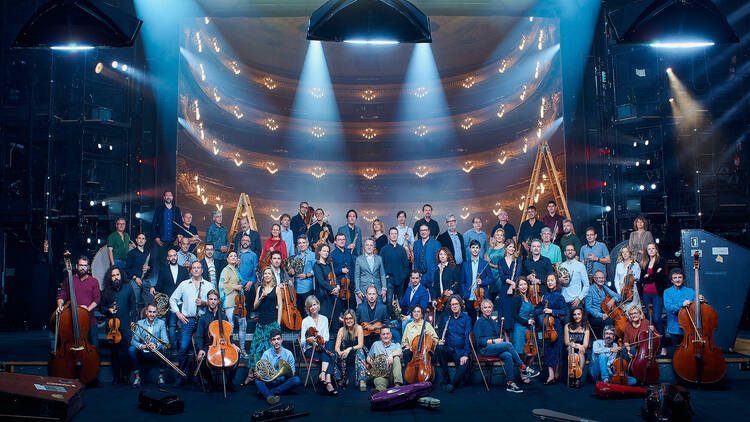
(73, 356)
(644, 367)
(420, 367)
(698, 359)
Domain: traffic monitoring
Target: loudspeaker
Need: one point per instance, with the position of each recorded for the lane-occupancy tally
(28, 396)
(161, 401)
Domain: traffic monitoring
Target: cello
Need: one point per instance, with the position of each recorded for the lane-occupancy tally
(618, 316)
(644, 367)
(420, 367)
(620, 367)
(72, 356)
(698, 359)
(221, 353)
(290, 316)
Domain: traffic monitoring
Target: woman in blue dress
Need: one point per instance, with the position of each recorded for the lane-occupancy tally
(523, 314)
(509, 269)
(552, 304)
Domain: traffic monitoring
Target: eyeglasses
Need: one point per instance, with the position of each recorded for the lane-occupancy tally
(451, 221)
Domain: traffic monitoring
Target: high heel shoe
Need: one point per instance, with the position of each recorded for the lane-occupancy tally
(248, 381)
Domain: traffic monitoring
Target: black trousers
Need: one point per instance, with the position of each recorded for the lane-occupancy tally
(447, 354)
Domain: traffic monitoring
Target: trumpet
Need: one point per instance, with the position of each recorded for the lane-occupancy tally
(133, 325)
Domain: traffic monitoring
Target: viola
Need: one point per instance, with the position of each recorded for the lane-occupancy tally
(534, 291)
(221, 353)
(319, 340)
(420, 367)
(374, 327)
(619, 319)
(290, 316)
(575, 370)
(323, 238)
(309, 215)
(344, 293)
(443, 299)
(530, 347)
(644, 367)
(479, 293)
(239, 304)
(627, 287)
(548, 324)
(73, 356)
(698, 359)
(113, 326)
(266, 260)
(332, 278)
(620, 368)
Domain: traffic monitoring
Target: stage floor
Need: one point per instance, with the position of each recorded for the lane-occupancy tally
(120, 403)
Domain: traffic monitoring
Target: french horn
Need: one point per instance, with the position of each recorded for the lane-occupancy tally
(268, 373)
(162, 304)
(379, 367)
(561, 271)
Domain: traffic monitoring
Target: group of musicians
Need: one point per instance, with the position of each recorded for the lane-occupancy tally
(368, 299)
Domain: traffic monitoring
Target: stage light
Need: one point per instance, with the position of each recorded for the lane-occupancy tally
(137, 215)
(124, 68)
(671, 100)
(369, 22)
(104, 203)
(369, 133)
(680, 24)
(75, 25)
(110, 147)
(653, 186)
(99, 146)
(648, 162)
(501, 111)
(99, 67)
(637, 163)
(421, 130)
(271, 124)
(645, 142)
(368, 95)
(88, 240)
(269, 83)
(641, 187)
(607, 208)
(115, 64)
(669, 70)
(91, 203)
(635, 144)
(467, 123)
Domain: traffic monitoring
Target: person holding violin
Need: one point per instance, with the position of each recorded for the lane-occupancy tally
(475, 279)
(118, 304)
(653, 283)
(343, 265)
(300, 223)
(536, 267)
(637, 324)
(267, 304)
(523, 320)
(396, 265)
(627, 266)
(325, 292)
(454, 344)
(271, 390)
(509, 269)
(414, 329)
(372, 311)
(203, 340)
(274, 244)
(320, 229)
(405, 233)
(447, 279)
(88, 295)
(576, 336)
(492, 342)
(416, 293)
(231, 287)
(314, 338)
(604, 352)
(140, 353)
(350, 348)
(675, 298)
(552, 305)
(304, 282)
(393, 354)
(596, 295)
(352, 233)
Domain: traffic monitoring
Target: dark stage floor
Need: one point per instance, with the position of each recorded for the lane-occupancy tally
(119, 403)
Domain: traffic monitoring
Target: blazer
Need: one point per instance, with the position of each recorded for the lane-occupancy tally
(255, 244)
(166, 284)
(422, 297)
(159, 330)
(431, 249)
(467, 280)
(659, 277)
(219, 264)
(365, 277)
(357, 231)
(451, 274)
(380, 314)
(445, 241)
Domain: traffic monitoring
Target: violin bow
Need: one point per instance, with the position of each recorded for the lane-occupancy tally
(538, 359)
(479, 365)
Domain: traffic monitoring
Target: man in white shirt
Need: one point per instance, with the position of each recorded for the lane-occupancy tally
(287, 234)
(576, 287)
(404, 231)
(187, 302)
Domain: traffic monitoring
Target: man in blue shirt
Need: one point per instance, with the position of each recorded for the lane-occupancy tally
(594, 298)
(675, 298)
(246, 269)
(272, 389)
(594, 254)
(453, 240)
(454, 345)
(476, 233)
(425, 251)
(165, 215)
(304, 281)
(287, 234)
(218, 236)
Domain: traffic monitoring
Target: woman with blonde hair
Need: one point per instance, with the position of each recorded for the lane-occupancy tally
(627, 265)
(350, 348)
(310, 347)
(268, 306)
(378, 234)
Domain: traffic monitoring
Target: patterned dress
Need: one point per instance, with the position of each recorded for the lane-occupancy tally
(552, 350)
(266, 322)
(356, 359)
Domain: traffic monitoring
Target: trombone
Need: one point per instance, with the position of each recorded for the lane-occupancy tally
(154, 349)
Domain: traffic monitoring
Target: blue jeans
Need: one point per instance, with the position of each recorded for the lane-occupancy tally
(186, 334)
(658, 303)
(171, 321)
(507, 353)
(277, 386)
(138, 357)
(600, 370)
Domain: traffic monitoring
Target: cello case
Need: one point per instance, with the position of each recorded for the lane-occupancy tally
(605, 390)
(398, 396)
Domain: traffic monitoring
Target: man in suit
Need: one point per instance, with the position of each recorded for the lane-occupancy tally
(297, 222)
(353, 233)
(416, 294)
(425, 251)
(453, 240)
(343, 265)
(255, 244)
(396, 266)
(170, 276)
(474, 273)
(369, 271)
(370, 311)
(211, 267)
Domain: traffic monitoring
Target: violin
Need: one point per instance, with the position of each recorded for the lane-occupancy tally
(73, 356)
(627, 286)
(374, 327)
(113, 326)
(644, 367)
(266, 261)
(239, 304)
(221, 353)
(479, 291)
(309, 215)
(534, 291)
(575, 370)
(323, 238)
(420, 367)
(443, 299)
(618, 316)
(620, 367)
(698, 359)
(548, 324)
(319, 340)
(344, 293)
(290, 316)
(530, 348)
(331, 276)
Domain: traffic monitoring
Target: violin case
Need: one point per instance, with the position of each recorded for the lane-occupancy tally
(30, 397)
(398, 396)
(606, 390)
(161, 401)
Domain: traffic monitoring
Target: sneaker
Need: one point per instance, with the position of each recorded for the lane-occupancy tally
(244, 354)
(530, 372)
(429, 402)
(511, 387)
(605, 380)
(136, 382)
(161, 382)
(272, 399)
(362, 386)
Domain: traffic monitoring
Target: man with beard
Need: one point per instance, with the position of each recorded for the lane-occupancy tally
(253, 238)
(165, 215)
(187, 229)
(88, 295)
(203, 339)
(211, 267)
(118, 302)
(170, 276)
(138, 269)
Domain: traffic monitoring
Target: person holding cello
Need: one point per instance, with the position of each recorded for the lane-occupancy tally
(675, 298)
(604, 352)
(268, 306)
(413, 330)
(637, 324)
(577, 338)
(314, 338)
(204, 339)
(492, 342)
(596, 295)
(550, 311)
(475, 278)
(233, 292)
(88, 295)
(454, 343)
